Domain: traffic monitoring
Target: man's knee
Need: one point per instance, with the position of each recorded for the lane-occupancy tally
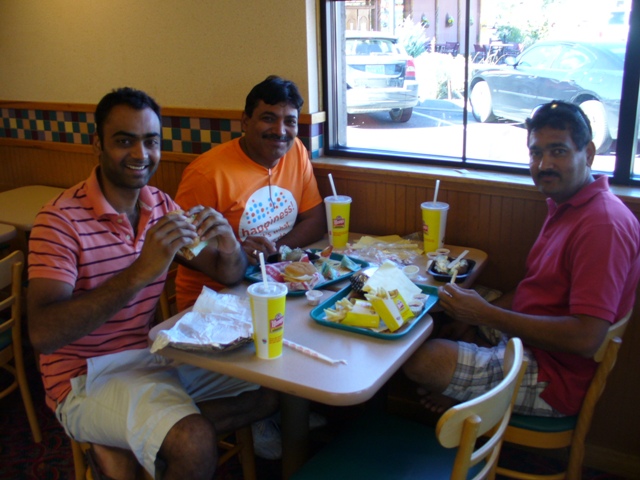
(191, 441)
(433, 363)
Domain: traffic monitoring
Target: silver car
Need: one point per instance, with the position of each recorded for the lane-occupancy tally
(380, 76)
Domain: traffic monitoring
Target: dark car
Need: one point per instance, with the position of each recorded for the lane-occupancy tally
(583, 73)
(380, 76)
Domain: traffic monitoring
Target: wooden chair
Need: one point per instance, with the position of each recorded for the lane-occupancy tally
(241, 445)
(382, 446)
(11, 357)
(556, 433)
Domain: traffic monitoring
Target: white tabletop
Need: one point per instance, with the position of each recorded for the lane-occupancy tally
(7, 232)
(19, 207)
(370, 361)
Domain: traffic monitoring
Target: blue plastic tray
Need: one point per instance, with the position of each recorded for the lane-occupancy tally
(319, 316)
(253, 273)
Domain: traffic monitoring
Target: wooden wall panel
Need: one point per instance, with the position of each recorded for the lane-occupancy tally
(502, 219)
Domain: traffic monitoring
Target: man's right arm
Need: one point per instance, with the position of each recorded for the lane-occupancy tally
(56, 317)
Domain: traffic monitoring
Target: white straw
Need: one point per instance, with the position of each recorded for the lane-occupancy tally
(435, 195)
(453, 277)
(264, 270)
(311, 353)
(333, 186)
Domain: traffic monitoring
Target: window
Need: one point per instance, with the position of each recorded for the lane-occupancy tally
(399, 84)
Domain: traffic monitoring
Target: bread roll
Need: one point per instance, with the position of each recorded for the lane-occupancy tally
(299, 272)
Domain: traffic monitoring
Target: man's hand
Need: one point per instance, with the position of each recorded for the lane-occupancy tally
(163, 240)
(464, 305)
(254, 244)
(213, 228)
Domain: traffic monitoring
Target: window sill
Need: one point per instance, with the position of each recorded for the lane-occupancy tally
(630, 195)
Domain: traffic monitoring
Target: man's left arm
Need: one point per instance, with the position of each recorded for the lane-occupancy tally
(309, 228)
(578, 334)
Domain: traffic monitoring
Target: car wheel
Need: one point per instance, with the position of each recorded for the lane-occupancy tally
(401, 115)
(481, 106)
(594, 110)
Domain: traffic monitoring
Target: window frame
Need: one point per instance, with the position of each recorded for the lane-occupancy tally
(628, 116)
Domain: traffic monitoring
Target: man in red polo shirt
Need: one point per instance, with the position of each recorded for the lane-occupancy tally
(581, 277)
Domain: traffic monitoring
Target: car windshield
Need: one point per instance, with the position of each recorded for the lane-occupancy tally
(370, 46)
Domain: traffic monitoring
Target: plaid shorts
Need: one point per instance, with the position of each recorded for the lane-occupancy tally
(480, 369)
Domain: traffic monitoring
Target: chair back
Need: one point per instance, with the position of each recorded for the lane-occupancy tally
(11, 355)
(11, 276)
(487, 415)
(615, 330)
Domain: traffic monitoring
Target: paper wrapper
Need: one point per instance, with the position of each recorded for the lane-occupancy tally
(379, 249)
(218, 322)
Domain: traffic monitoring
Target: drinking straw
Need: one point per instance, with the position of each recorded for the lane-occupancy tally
(311, 353)
(264, 271)
(333, 186)
(455, 262)
(435, 194)
(453, 277)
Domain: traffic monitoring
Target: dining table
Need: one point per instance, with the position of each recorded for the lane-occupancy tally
(19, 207)
(356, 367)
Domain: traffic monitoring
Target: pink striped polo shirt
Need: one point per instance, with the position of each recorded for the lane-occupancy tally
(78, 238)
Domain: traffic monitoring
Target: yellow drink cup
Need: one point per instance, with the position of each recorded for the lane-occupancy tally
(267, 314)
(434, 223)
(338, 209)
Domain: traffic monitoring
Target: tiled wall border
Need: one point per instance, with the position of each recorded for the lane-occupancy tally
(182, 133)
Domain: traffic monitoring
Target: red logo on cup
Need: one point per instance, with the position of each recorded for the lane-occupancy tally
(339, 222)
(277, 322)
(425, 228)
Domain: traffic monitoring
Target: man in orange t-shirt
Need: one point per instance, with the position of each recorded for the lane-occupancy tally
(262, 183)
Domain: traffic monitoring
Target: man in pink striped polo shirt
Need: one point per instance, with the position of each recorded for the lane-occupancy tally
(98, 257)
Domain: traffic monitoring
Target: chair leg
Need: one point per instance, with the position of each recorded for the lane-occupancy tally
(576, 457)
(26, 394)
(244, 436)
(79, 464)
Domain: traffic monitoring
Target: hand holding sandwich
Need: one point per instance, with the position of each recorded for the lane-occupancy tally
(209, 244)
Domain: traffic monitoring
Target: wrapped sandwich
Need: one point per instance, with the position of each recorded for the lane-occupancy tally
(192, 250)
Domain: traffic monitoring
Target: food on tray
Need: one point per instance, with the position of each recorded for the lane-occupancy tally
(328, 271)
(326, 251)
(441, 265)
(388, 293)
(349, 264)
(299, 272)
(309, 270)
(192, 250)
(390, 277)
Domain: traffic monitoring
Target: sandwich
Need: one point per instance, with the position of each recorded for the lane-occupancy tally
(192, 250)
(299, 272)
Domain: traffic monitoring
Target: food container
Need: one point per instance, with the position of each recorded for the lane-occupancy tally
(411, 271)
(443, 277)
(416, 307)
(313, 297)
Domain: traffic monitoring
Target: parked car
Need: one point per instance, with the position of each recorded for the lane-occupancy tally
(587, 74)
(380, 75)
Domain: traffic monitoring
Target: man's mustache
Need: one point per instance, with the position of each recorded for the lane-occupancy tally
(548, 174)
(282, 138)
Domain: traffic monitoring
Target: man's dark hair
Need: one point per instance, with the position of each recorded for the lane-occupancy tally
(136, 99)
(272, 91)
(561, 115)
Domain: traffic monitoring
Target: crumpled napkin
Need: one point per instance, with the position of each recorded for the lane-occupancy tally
(218, 321)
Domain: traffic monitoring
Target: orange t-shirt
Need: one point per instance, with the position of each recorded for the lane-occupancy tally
(254, 200)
